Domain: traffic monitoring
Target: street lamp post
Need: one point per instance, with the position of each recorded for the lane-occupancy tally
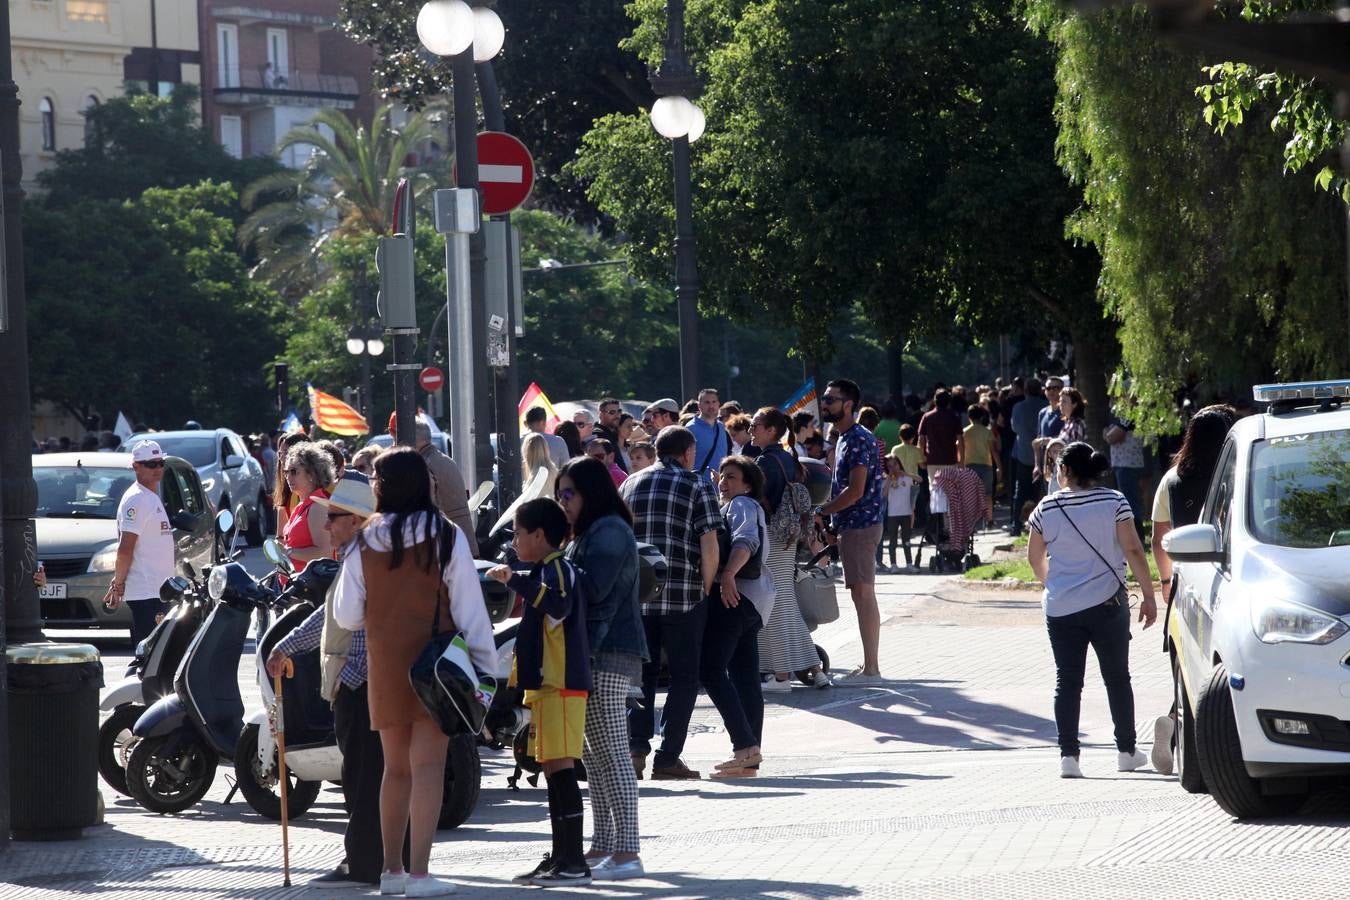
(364, 340)
(675, 116)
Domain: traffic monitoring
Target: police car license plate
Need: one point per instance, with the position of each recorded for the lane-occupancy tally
(52, 590)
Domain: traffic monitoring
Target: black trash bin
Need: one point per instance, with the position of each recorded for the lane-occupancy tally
(53, 739)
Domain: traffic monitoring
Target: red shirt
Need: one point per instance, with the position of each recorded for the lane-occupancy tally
(296, 535)
(939, 430)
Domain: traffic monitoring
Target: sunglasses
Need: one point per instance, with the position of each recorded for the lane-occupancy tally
(566, 495)
(334, 516)
(830, 399)
(153, 464)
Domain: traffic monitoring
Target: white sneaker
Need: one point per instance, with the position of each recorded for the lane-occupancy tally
(1128, 762)
(428, 887)
(821, 680)
(393, 883)
(1161, 754)
(1068, 767)
(772, 685)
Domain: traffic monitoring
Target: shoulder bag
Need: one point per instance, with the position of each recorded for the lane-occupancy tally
(793, 507)
(1122, 595)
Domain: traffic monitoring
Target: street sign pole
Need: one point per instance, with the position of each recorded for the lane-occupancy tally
(456, 217)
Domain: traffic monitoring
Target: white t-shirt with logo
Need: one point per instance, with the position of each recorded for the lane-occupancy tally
(900, 496)
(141, 513)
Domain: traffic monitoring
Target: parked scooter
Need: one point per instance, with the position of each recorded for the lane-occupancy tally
(312, 754)
(150, 675)
(183, 736)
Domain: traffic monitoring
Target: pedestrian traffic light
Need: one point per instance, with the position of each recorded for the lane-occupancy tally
(395, 301)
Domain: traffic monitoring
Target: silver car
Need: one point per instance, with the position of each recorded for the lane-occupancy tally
(77, 535)
(230, 477)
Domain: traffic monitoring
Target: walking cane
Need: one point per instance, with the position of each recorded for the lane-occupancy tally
(279, 729)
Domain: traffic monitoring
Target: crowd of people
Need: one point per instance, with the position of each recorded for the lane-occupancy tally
(723, 494)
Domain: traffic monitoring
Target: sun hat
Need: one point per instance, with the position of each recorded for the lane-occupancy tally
(351, 496)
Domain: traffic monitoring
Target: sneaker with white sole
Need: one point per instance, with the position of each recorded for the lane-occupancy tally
(527, 877)
(772, 685)
(609, 870)
(821, 680)
(429, 886)
(564, 875)
(1161, 754)
(1128, 762)
(393, 883)
(1068, 767)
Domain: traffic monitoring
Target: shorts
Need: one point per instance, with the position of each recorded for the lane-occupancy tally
(986, 474)
(557, 723)
(858, 554)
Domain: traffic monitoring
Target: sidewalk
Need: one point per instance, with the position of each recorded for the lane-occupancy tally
(941, 780)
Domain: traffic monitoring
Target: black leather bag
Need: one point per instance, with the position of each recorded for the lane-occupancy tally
(455, 694)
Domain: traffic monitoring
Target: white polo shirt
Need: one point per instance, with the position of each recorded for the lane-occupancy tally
(141, 513)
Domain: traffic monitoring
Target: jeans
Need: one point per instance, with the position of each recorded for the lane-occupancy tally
(1127, 482)
(730, 668)
(1106, 628)
(1022, 494)
(362, 774)
(896, 526)
(143, 613)
(681, 636)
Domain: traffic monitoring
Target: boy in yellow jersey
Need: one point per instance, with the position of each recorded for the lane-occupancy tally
(552, 665)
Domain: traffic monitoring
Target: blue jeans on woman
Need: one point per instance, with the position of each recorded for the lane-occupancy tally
(730, 668)
(1106, 629)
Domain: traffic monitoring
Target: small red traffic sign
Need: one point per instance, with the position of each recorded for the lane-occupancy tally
(505, 172)
(431, 379)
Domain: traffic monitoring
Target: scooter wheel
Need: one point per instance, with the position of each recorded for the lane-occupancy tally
(113, 736)
(265, 800)
(463, 776)
(164, 784)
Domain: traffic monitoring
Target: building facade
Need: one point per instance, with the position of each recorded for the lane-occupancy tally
(270, 66)
(70, 55)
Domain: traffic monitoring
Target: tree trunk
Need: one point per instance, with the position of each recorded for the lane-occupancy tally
(1090, 377)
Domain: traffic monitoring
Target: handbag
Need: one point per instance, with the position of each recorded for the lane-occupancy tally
(455, 694)
(816, 598)
(753, 567)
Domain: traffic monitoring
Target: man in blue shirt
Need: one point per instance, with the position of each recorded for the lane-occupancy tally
(1025, 425)
(710, 435)
(1049, 422)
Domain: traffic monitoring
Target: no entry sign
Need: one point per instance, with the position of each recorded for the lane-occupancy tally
(505, 172)
(431, 379)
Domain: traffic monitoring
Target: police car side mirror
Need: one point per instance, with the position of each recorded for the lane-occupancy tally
(1194, 543)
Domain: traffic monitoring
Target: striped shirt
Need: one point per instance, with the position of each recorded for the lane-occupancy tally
(1078, 578)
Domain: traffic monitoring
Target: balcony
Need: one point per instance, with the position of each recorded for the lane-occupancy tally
(251, 88)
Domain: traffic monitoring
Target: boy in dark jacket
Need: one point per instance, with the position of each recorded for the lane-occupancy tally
(552, 665)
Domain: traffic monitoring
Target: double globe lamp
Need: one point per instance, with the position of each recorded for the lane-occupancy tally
(677, 117)
(449, 27)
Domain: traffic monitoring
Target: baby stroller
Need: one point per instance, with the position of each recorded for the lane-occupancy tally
(818, 603)
(956, 508)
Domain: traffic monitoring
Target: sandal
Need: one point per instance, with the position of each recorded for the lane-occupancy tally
(741, 772)
(741, 763)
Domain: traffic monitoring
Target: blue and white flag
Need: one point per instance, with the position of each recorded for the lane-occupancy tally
(292, 423)
(804, 400)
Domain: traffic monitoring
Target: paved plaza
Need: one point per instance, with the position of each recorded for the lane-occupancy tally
(939, 781)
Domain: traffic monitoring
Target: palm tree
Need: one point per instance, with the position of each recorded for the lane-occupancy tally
(346, 187)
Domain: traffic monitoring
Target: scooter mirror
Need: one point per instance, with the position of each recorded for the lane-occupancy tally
(187, 569)
(276, 555)
(224, 521)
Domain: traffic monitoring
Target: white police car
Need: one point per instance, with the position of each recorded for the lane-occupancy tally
(1258, 625)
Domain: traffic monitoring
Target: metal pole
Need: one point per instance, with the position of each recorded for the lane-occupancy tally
(459, 341)
(466, 168)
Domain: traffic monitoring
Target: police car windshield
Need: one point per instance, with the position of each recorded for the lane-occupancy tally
(1300, 490)
(80, 492)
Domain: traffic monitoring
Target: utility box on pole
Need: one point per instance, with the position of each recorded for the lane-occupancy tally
(395, 302)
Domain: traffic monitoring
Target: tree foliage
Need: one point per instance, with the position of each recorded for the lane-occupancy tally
(1217, 267)
(145, 306)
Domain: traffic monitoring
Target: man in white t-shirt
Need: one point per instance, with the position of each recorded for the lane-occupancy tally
(145, 548)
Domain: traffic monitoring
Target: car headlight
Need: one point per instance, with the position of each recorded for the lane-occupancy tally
(104, 560)
(215, 585)
(1278, 621)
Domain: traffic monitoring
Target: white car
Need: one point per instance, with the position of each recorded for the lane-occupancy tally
(1258, 624)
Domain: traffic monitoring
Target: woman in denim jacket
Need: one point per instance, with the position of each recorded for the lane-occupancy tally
(604, 549)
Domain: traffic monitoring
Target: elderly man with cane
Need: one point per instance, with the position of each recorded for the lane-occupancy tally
(343, 668)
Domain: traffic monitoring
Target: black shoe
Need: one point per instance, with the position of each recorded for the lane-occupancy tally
(564, 875)
(340, 877)
(528, 877)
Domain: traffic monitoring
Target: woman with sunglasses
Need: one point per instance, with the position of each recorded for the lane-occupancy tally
(284, 499)
(308, 469)
(604, 549)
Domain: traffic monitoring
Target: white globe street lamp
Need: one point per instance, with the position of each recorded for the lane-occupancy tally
(356, 346)
(374, 346)
(445, 27)
(673, 116)
(488, 34)
(697, 123)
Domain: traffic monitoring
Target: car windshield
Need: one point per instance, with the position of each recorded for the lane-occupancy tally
(200, 451)
(80, 492)
(1300, 494)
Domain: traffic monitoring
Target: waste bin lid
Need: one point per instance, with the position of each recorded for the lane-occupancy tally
(47, 653)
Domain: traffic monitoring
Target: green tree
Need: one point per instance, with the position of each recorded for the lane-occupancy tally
(141, 141)
(345, 188)
(1217, 267)
(145, 306)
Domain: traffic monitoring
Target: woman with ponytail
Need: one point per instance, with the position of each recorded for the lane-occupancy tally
(1081, 537)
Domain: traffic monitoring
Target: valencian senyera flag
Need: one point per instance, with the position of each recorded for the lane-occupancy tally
(331, 414)
(804, 400)
(535, 396)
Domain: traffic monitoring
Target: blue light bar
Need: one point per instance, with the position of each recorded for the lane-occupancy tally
(1302, 390)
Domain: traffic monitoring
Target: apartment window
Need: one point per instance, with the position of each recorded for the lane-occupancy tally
(232, 136)
(227, 55)
(48, 114)
(278, 58)
(90, 125)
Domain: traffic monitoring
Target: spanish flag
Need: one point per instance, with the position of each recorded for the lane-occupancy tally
(331, 414)
(535, 396)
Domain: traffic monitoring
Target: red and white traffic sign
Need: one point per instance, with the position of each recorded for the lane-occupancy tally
(431, 379)
(505, 172)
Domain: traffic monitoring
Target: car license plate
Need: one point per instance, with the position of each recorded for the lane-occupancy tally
(52, 590)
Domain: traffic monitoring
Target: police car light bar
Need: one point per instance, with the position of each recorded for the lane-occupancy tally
(1302, 390)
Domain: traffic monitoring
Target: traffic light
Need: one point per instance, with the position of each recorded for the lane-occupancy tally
(395, 301)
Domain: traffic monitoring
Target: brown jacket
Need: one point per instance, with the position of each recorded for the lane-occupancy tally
(447, 486)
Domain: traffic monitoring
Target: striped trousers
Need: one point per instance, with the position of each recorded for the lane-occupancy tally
(610, 779)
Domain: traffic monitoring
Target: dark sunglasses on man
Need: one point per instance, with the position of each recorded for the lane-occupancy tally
(152, 464)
